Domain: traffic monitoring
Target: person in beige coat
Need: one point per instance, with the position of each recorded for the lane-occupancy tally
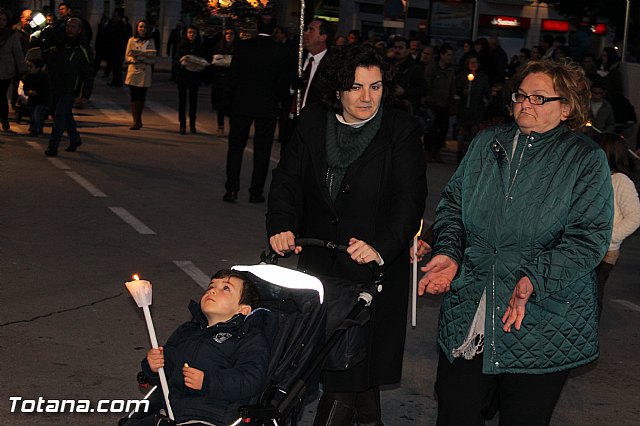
(11, 63)
(140, 55)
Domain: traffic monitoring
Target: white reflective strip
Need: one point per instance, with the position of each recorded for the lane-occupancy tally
(86, 184)
(284, 277)
(194, 272)
(132, 220)
(627, 304)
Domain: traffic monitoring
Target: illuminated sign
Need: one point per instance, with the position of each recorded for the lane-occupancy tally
(492, 21)
(557, 25)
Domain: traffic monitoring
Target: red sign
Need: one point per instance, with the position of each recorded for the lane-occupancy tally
(557, 25)
(494, 21)
(598, 29)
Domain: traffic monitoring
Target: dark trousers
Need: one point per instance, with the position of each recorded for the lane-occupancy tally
(264, 129)
(38, 114)
(63, 120)
(434, 140)
(218, 103)
(602, 273)
(191, 92)
(4, 105)
(468, 397)
(115, 66)
(138, 94)
(101, 55)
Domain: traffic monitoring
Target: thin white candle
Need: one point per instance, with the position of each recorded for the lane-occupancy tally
(141, 292)
(470, 77)
(414, 279)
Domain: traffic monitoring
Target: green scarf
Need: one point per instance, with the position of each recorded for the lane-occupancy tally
(344, 145)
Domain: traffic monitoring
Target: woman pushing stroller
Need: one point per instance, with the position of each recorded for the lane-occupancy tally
(354, 172)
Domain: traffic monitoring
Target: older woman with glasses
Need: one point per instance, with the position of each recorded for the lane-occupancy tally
(519, 230)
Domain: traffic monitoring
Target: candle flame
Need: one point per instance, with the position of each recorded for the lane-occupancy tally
(588, 124)
(419, 230)
(470, 77)
(135, 277)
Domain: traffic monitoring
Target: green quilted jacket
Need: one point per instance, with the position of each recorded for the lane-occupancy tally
(546, 213)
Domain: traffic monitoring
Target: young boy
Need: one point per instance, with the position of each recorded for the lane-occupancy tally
(219, 360)
(36, 87)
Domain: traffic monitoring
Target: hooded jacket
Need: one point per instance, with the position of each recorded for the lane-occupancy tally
(234, 356)
(545, 212)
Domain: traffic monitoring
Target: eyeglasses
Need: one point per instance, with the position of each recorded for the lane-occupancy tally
(519, 98)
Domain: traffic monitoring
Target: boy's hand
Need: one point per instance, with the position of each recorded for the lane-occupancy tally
(155, 358)
(193, 377)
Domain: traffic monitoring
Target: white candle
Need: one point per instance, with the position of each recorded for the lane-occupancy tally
(142, 293)
(414, 284)
(470, 77)
(414, 279)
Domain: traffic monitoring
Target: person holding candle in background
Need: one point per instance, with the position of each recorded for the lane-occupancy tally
(218, 361)
(473, 89)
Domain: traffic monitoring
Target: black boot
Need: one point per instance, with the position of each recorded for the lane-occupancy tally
(335, 409)
(368, 412)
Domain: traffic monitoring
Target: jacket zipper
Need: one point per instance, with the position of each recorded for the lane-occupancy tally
(493, 313)
(493, 267)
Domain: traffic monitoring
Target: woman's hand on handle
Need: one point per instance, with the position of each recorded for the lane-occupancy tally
(284, 242)
(516, 309)
(362, 252)
(439, 273)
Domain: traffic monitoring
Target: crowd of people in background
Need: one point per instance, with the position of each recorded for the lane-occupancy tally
(455, 90)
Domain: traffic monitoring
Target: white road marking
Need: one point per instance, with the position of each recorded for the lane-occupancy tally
(132, 220)
(59, 163)
(171, 115)
(34, 145)
(194, 272)
(112, 110)
(86, 184)
(627, 304)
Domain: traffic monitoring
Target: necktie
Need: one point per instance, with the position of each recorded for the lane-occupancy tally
(306, 76)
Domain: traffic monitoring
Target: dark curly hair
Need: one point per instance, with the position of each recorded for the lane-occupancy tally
(569, 80)
(250, 295)
(339, 74)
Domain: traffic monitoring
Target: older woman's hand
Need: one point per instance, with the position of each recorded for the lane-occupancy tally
(439, 273)
(516, 310)
(362, 252)
(284, 242)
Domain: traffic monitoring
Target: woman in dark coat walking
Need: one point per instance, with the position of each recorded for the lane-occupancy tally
(222, 55)
(354, 173)
(189, 51)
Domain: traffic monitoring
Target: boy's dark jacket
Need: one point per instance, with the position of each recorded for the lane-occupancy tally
(234, 357)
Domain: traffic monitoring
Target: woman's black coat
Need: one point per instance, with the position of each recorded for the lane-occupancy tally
(381, 202)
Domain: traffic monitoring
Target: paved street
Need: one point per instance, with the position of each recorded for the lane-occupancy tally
(73, 229)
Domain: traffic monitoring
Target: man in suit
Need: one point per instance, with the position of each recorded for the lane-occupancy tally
(317, 36)
(259, 78)
(175, 36)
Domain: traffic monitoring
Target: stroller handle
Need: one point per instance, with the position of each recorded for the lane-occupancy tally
(272, 257)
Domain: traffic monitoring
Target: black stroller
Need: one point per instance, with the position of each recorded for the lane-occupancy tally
(317, 327)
